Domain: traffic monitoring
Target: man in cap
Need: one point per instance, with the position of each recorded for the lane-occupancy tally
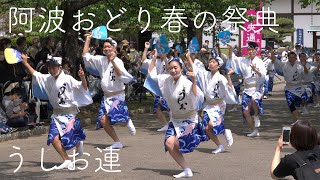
(66, 95)
(253, 72)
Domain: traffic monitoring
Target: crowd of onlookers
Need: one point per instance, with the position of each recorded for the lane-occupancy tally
(18, 107)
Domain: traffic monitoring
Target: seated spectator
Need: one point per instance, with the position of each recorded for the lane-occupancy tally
(4, 129)
(66, 67)
(16, 110)
(304, 139)
(48, 48)
(7, 88)
(34, 48)
(7, 72)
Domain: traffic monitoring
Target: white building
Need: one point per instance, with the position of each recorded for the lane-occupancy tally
(307, 19)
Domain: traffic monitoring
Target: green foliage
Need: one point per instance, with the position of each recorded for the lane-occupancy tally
(284, 29)
(37, 21)
(284, 21)
(29, 40)
(128, 22)
(287, 44)
(305, 3)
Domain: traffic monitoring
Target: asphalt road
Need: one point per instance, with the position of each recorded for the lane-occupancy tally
(143, 156)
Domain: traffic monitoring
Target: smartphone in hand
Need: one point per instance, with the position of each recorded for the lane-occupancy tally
(286, 135)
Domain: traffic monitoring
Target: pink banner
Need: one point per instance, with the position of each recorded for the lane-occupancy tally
(251, 33)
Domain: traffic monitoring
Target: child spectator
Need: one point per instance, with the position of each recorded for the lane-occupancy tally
(16, 110)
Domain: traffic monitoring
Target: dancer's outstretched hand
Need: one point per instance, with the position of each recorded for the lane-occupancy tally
(80, 72)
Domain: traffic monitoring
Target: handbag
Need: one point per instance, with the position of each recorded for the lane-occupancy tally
(309, 169)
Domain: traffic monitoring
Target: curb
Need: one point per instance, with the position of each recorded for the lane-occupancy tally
(24, 134)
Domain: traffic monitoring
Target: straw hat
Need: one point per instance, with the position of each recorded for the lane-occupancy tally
(125, 42)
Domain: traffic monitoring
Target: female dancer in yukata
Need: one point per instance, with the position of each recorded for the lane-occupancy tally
(217, 91)
(185, 132)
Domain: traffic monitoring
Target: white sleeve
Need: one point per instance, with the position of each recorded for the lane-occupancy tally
(235, 63)
(152, 84)
(39, 86)
(93, 62)
(145, 65)
(200, 74)
(230, 93)
(200, 95)
(76, 85)
(312, 68)
(125, 76)
(262, 69)
(277, 63)
(80, 95)
(39, 77)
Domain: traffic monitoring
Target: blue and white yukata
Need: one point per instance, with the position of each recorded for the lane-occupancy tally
(113, 103)
(235, 78)
(307, 81)
(236, 82)
(316, 82)
(268, 82)
(65, 94)
(161, 69)
(183, 104)
(253, 83)
(217, 94)
(295, 92)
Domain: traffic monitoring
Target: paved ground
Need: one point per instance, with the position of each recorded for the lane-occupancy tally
(144, 158)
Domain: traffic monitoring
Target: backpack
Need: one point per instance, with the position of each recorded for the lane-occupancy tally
(309, 169)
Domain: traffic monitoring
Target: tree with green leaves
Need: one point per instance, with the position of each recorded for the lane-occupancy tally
(306, 3)
(285, 28)
(128, 21)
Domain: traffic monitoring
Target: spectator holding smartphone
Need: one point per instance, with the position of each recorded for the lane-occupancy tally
(304, 139)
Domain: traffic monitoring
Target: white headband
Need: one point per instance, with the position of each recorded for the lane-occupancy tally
(220, 61)
(56, 60)
(113, 42)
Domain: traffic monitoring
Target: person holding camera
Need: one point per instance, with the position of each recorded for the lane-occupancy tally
(304, 139)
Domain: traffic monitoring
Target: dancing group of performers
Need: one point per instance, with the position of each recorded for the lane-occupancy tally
(185, 88)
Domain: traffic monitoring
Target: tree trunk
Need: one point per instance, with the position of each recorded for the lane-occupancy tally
(191, 31)
(199, 36)
(71, 49)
